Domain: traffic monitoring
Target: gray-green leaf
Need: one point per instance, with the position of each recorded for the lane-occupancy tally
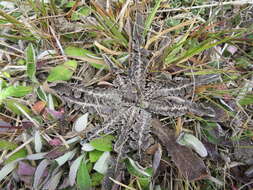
(31, 62)
(192, 142)
(83, 177)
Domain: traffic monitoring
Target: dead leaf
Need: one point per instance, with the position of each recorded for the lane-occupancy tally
(221, 115)
(152, 149)
(157, 158)
(56, 152)
(39, 106)
(188, 163)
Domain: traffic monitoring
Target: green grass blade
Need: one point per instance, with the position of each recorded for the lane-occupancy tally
(31, 62)
(150, 18)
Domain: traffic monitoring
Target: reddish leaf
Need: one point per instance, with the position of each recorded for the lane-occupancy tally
(25, 169)
(39, 106)
(55, 114)
(40, 172)
(56, 152)
(55, 142)
(188, 163)
(27, 124)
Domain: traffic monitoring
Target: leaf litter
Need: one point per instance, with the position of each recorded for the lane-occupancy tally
(88, 45)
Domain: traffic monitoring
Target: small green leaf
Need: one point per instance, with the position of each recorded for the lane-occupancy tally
(94, 155)
(103, 143)
(20, 154)
(96, 179)
(71, 64)
(83, 177)
(135, 170)
(70, 4)
(21, 62)
(75, 51)
(80, 52)
(144, 182)
(41, 94)
(62, 72)
(31, 62)
(15, 91)
(6, 145)
(12, 106)
(85, 11)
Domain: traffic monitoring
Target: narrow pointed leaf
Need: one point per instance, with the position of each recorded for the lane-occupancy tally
(134, 169)
(37, 141)
(73, 170)
(8, 168)
(83, 177)
(31, 62)
(102, 164)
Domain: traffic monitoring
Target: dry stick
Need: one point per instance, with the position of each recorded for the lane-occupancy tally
(10, 53)
(123, 10)
(160, 34)
(58, 43)
(105, 49)
(121, 184)
(242, 2)
(8, 46)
